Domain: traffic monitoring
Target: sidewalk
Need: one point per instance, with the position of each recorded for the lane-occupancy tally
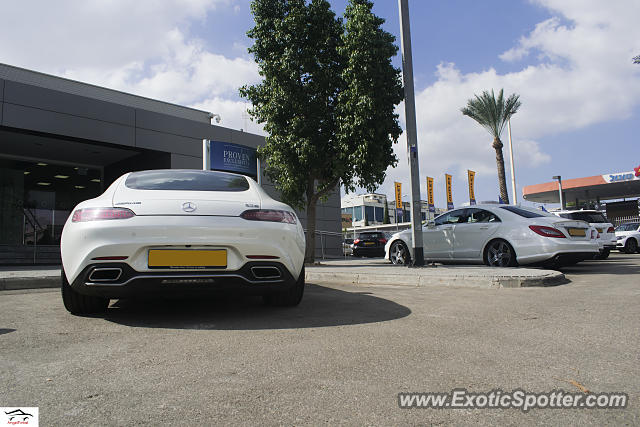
(348, 272)
(381, 272)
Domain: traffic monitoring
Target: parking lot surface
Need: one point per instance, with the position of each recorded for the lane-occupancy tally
(341, 357)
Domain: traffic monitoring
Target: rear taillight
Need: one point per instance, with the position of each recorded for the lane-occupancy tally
(355, 242)
(99, 214)
(383, 241)
(547, 231)
(611, 230)
(270, 215)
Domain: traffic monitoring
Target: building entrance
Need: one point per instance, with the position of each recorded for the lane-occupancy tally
(35, 200)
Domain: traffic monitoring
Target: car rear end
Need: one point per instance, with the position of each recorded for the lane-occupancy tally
(145, 235)
(369, 244)
(606, 237)
(545, 239)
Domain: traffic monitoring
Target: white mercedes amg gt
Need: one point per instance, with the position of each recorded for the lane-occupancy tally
(181, 232)
(498, 236)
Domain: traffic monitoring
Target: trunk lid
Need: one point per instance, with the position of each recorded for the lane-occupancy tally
(157, 202)
(574, 229)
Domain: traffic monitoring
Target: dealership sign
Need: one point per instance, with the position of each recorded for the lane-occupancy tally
(229, 157)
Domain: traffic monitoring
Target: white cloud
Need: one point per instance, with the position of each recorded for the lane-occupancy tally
(142, 47)
(582, 74)
(232, 112)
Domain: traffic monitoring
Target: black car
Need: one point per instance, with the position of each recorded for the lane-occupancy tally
(369, 244)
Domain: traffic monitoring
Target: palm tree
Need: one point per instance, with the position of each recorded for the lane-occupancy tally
(493, 114)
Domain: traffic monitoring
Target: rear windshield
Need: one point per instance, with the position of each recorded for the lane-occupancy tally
(370, 236)
(585, 216)
(522, 212)
(186, 180)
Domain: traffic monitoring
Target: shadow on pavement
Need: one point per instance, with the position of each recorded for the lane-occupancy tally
(320, 307)
(624, 264)
(6, 331)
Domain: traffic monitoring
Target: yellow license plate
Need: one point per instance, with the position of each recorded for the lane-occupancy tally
(600, 230)
(368, 243)
(187, 258)
(577, 232)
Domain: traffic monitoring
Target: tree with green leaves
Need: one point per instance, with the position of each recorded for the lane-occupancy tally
(386, 214)
(326, 99)
(636, 59)
(493, 115)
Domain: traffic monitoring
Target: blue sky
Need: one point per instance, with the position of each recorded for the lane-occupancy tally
(570, 60)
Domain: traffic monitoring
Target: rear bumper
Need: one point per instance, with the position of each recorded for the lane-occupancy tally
(134, 237)
(253, 278)
(365, 251)
(562, 259)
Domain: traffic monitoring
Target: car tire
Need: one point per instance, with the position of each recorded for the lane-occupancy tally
(288, 298)
(399, 253)
(631, 246)
(603, 255)
(79, 304)
(499, 253)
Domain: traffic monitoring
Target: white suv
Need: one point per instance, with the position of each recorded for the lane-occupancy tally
(628, 236)
(606, 236)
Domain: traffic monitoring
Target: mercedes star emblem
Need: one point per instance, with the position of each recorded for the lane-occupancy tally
(188, 207)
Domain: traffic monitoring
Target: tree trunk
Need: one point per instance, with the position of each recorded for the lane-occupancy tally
(310, 250)
(502, 181)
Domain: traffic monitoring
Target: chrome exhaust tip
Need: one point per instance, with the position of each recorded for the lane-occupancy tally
(106, 274)
(266, 272)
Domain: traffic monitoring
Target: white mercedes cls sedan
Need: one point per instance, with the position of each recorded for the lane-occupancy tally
(500, 236)
(175, 231)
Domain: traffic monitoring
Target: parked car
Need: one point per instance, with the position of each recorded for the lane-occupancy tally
(369, 244)
(347, 246)
(606, 237)
(182, 231)
(628, 237)
(498, 235)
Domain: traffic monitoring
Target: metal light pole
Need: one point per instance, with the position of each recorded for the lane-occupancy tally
(559, 178)
(513, 171)
(412, 140)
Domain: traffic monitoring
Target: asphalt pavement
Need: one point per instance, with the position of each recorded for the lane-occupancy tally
(341, 357)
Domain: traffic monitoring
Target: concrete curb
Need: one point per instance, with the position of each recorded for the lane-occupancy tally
(428, 277)
(394, 276)
(16, 283)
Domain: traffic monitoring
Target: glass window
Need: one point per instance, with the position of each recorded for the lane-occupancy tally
(593, 217)
(379, 214)
(186, 180)
(633, 226)
(453, 217)
(37, 197)
(357, 213)
(369, 213)
(522, 212)
(370, 236)
(481, 215)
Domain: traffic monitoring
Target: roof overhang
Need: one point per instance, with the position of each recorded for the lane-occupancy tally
(617, 185)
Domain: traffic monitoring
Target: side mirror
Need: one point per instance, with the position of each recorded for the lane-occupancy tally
(431, 224)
